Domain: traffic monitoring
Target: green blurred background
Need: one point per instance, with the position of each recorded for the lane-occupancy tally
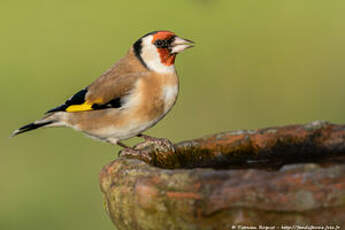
(256, 64)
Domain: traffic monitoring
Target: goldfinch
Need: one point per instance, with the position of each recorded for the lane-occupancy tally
(129, 98)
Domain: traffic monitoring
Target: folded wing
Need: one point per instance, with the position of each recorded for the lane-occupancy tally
(104, 93)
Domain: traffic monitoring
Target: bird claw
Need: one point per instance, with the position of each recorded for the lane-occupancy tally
(158, 144)
(136, 154)
(147, 150)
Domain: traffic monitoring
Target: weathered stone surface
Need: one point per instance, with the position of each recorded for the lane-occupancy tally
(282, 175)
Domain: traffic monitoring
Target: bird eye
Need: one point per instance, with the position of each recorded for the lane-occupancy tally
(160, 44)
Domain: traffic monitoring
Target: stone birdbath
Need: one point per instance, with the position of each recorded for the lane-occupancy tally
(279, 176)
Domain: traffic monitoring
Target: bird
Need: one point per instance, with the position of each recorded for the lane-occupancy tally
(129, 98)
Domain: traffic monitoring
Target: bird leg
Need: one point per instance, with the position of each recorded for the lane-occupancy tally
(117, 142)
(126, 147)
(127, 150)
(123, 145)
(149, 138)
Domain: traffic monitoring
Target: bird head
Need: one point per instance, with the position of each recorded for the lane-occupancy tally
(157, 50)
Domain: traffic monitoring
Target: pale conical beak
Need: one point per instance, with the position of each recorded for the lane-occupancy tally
(180, 44)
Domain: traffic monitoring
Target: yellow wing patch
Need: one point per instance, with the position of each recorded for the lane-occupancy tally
(79, 108)
(86, 106)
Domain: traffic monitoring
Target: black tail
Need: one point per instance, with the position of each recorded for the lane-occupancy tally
(31, 126)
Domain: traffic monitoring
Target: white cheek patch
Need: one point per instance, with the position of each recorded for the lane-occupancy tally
(150, 56)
